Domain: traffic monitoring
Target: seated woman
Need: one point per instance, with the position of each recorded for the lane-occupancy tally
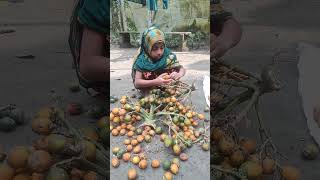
(155, 64)
(88, 40)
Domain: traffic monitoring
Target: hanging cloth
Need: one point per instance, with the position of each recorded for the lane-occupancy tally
(165, 4)
(153, 4)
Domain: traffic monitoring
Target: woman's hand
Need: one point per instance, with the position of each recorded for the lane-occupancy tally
(162, 80)
(229, 37)
(175, 75)
(142, 83)
(219, 46)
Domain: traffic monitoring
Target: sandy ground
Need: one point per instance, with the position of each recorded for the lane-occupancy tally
(268, 26)
(27, 82)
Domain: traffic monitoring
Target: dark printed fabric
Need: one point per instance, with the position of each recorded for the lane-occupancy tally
(217, 16)
(153, 75)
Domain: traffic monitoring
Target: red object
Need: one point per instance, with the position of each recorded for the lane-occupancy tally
(74, 108)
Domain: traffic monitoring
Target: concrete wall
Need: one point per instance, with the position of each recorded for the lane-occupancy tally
(181, 13)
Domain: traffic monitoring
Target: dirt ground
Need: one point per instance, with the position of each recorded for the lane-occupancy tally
(41, 30)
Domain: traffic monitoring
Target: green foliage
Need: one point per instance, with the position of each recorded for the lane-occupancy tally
(199, 37)
(198, 40)
(134, 38)
(173, 40)
(115, 24)
(194, 9)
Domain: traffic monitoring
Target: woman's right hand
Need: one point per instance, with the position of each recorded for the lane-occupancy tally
(161, 80)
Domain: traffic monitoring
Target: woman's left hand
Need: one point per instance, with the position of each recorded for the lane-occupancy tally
(219, 46)
(175, 75)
